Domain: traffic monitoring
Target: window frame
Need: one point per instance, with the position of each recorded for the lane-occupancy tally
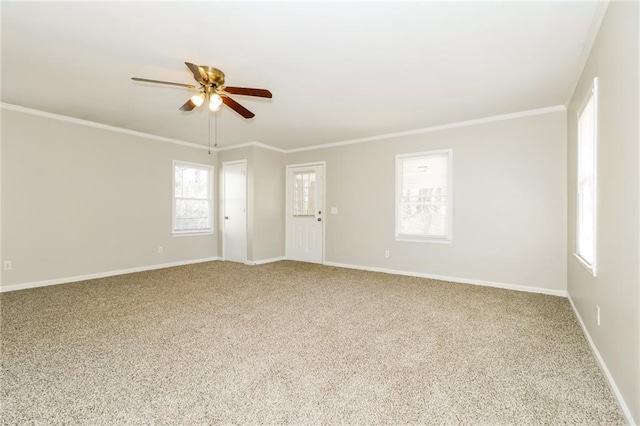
(592, 93)
(448, 237)
(190, 232)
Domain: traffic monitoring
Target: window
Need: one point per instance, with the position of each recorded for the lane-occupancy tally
(304, 189)
(587, 182)
(423, 196)
(192, 198)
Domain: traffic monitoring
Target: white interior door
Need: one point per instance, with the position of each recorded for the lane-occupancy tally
(234, 240)
(305, 213)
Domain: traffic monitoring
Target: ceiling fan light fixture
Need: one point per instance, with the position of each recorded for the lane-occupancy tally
(214, 102)
(213, 90)
(197, 99)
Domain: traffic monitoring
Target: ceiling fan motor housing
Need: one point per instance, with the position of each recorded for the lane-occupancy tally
(216, 77)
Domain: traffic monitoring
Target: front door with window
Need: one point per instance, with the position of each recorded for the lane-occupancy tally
(305, 215)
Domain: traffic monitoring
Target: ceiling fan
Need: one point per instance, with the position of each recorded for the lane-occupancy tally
(213, 90)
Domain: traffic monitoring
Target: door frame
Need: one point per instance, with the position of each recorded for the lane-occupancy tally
(287, 199)
(246, 206)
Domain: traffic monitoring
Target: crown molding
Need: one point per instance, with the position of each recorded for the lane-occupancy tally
(251, 144)
(265, 146)
(67, 119)
(477, 121)
(94, 124)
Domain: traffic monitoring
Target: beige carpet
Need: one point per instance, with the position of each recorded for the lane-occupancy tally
(294, 343)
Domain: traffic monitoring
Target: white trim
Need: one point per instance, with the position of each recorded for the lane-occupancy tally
(264, 261)
(584, 264)
(246, 206)
(491, 119)
(592, 34)
(408, 239)
(516, 287)
(238, 146)
(454, 125)
(603, 367)
(324, 209)
(265, 146)
(250, 144)
(14, 287)
(96, 125)
(192, 234)
(312, 163)
(273, 259)
(592, 94)
(1, 258)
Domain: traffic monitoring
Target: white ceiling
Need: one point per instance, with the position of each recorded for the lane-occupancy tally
(337, 70)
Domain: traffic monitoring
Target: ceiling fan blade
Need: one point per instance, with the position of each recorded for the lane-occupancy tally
(146, 80)
(237, 107)
(198, 73)
(261, 93)
(188, 106)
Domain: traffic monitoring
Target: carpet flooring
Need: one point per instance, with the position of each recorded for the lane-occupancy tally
(294, 343)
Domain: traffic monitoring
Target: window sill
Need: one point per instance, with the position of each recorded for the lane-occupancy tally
(191, 234)
(585, 265)
(423, 240)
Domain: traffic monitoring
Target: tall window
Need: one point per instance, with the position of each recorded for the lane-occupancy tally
(423, 196)
(192, 198)
(587, 178)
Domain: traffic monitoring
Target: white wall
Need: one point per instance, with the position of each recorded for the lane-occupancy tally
(79, 200)
(616, 289)
(509, 203)
(269, 202)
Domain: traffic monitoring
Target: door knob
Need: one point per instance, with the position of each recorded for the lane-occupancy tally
(319, 219)
(226, 217)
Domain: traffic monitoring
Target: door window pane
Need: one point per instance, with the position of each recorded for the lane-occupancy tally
(304, 189)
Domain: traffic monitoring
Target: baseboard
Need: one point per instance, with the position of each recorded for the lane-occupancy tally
(603, 367)
(14, 287)
(516, 287)
(263, 261)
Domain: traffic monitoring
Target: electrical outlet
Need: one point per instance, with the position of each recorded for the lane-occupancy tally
(386, 253)
(7, 265)
(598, 315)
(160, 250)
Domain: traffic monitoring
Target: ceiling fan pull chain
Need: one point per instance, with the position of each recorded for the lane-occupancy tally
(209, 120)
